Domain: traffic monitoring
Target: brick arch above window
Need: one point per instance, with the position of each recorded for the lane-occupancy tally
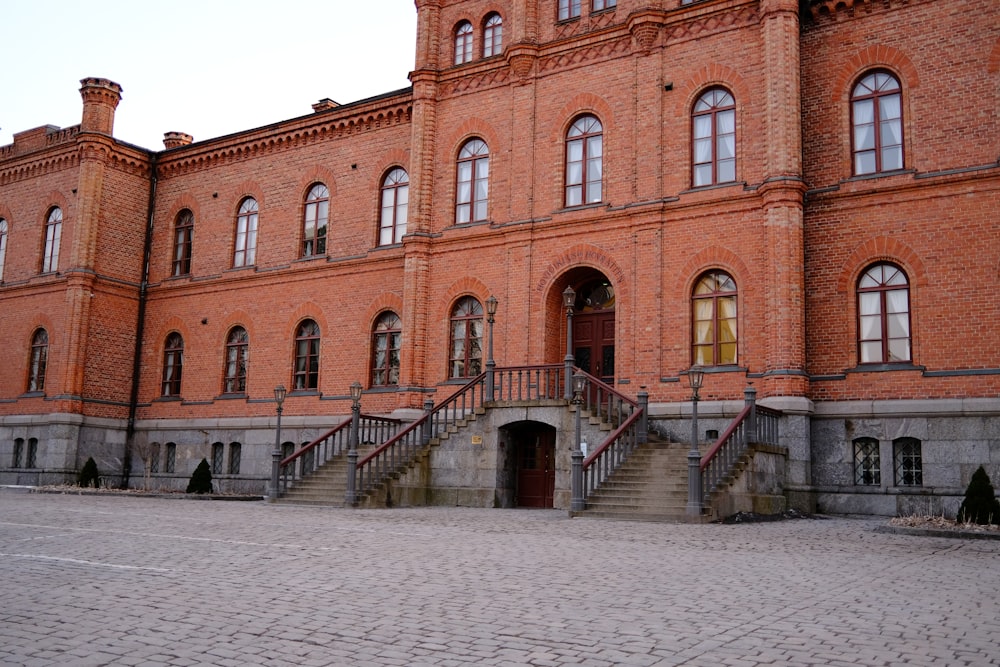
(878, 56)
(711, 76)
(473, 128)
(305, 311)
(582, 105)
(382, 303)
(876, 250)
(467, 286)
(712, 257)
(313, 175)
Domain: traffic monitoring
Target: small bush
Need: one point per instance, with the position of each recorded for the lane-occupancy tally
(980, 504)
(88, 475)
(201, 479)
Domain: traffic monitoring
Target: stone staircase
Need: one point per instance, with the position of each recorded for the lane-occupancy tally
(650, 486)
(326, 486)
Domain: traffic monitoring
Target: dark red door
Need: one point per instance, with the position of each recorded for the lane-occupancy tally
(594, 344)
(536, 470)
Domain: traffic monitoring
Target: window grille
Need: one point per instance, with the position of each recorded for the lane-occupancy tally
(867, 464)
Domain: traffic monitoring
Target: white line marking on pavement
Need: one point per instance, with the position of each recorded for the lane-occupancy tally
(84, 562)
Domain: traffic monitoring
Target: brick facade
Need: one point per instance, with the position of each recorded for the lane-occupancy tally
(796, 229)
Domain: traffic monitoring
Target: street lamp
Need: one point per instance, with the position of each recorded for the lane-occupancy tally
(352, 444)
(279, 398)
(569, 300)
(491, 311)
(695, 376)
(577, 503)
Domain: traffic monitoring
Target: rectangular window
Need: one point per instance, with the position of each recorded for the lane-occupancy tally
(32, 461)
(908, 462)
(18, 453)
(154, 458)
(234, 458)
(601, 5)
(217, 458)
(867, 464)
(569, 9)
(171, 461)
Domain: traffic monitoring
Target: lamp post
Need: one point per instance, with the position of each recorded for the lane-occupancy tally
(352, 444)
(577, 503)
(694, 505)
(279, 398)
(569, 300)
(491, 311)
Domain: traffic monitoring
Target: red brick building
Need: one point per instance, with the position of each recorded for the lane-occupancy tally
(800, 195)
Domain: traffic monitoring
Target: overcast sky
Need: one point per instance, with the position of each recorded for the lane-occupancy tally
(204, 67)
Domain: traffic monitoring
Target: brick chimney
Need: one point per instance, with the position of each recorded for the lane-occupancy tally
(100, 99)
(324, 104)
(176, 139)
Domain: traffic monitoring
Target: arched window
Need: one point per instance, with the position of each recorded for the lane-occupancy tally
(183, 235)
(463, 43)
(235, 454)
(867, 462)
(53, 234)
(714, 138)
(306, 373)
(218, 456)
(395, 201)
(386, 343)
(38, 361)
(237, 355)
(584, 161)
(569, 9)
(714, 318)
(3, 244)
(493, 36)
(245, 252)
(466, 357)
(883, 315)
(877, 119)
(154, 457)
(315, 222)
(173, 365)
(473, 187)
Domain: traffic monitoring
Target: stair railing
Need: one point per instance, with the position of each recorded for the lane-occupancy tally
(754, 424)
(514, 383)
(308, 458)
(627, 415)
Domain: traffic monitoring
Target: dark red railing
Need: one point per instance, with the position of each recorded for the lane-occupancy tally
(514, 383)
(622, 412)
(311, 456)
(754, 424)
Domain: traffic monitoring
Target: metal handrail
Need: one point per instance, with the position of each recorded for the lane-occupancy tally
(753, 425)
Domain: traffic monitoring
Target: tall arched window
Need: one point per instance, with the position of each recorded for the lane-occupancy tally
(395, 202)
(466, 357)
(245, 252)
(714, 138)
(3, 245)
(714, 318)
(473, 187)
(306, 373)
(316, 217)
(883, 315)
(386, 343)
(493, 36)
(53, 234)
(38, 361)
(237, 355)
(584, 161)
(463, 43)
(173, 365)
(183, 236)
(877, 119)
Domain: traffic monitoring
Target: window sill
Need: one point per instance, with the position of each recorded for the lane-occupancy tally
(303, 392)
(232, 396)
(882, 368)
(167, 399)
(879, 174)
(32, 394)
(582, 207)
(713, 186)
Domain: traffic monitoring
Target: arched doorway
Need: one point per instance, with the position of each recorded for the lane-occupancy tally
(594, 326)
(527, 469)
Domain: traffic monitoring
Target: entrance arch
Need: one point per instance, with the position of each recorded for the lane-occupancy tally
(593, 322)
(526, 470)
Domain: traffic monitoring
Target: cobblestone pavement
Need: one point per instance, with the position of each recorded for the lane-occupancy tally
(99, 580)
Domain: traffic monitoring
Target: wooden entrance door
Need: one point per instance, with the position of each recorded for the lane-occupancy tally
(536, 468)
(594, 344)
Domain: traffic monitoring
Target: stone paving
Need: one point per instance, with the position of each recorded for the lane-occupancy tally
(104, 580)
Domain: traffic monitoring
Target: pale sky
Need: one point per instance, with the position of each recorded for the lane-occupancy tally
(204, 67)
